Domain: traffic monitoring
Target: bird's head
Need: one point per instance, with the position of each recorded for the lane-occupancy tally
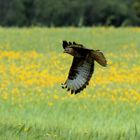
(68, 47)
(69, 50)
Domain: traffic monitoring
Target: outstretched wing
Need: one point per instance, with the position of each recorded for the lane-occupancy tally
(76, 46)
(99, 57)
(80, 73)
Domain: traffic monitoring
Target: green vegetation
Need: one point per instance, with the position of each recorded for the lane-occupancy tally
(33, 106)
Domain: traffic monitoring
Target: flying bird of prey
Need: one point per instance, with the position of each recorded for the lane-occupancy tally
(82, 66)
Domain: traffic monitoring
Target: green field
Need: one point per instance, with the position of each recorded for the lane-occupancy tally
(33, 106)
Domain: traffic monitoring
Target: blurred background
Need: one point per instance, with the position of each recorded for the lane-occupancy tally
(69, 13)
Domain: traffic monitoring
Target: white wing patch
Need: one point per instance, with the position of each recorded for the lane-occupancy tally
(83, 75)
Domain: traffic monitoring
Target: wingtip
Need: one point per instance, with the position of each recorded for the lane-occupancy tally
(65, 44)
(105, 63)
(74, 43)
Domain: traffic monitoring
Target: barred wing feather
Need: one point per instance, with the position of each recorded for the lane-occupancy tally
(80, 73)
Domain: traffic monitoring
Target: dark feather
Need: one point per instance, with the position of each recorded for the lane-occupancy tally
(77, 79)
(74, 43)
(65, 44)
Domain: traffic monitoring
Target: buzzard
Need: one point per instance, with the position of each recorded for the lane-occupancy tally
(82, 66)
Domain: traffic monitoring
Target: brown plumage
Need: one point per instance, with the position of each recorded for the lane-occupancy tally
(82, 66)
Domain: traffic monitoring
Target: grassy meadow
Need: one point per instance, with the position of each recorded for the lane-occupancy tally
(33, 106)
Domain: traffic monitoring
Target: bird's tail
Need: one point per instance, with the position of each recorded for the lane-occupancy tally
(99, 57)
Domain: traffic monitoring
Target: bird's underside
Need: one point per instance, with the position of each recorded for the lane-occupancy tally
(82, 66)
